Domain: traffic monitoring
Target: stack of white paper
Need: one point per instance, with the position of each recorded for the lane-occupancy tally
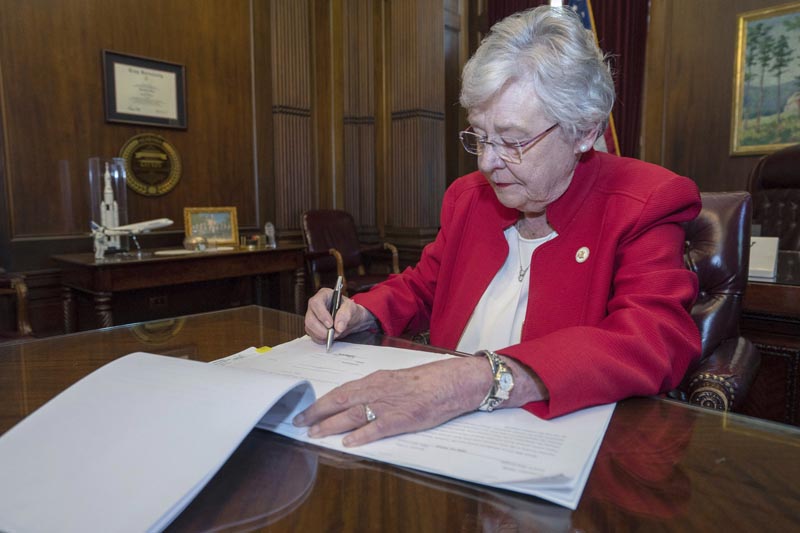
(130, 445)
(763, 258)
(508, 448)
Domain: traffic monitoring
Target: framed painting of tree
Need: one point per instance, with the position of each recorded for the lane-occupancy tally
(766, 87)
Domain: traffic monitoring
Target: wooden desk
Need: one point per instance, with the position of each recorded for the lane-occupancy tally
(663, 466)
(771, 319)
(102, 278)
(780, 297)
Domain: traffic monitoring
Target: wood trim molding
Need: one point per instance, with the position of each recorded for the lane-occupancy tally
(292, 83)
(381, 17)
(328, 100)
(654, 100)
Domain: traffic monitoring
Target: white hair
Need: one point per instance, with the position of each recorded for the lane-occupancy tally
(548, 48)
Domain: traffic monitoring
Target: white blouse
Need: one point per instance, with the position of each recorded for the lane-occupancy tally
(497, 320)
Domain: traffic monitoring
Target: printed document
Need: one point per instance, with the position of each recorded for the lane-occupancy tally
(763, 258)
(131, 444)
(508, 448)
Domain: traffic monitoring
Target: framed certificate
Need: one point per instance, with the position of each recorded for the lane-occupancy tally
(145, 91)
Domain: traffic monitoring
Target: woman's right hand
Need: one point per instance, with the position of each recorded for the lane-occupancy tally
(350, 318)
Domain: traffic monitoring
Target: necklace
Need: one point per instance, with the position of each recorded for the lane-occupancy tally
(522, 271)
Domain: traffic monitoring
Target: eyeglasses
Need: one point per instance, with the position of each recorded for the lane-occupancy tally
(508, 150)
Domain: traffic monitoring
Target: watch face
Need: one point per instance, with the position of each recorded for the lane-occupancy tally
(506, 382)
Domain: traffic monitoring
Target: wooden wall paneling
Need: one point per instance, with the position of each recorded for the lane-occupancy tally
(5, 208)
(478, 23)
(651, 142)
(218, 170)
(213, 44)
(293, 151)
(456, 53)
(42, 127)
(689, 91)
(262, 94)
(328, 104)
(695, 149)
(417, 181)
(381, 28)
(54, 121)
(359, 114)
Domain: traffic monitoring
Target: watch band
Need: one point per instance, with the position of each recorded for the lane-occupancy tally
(502, 385)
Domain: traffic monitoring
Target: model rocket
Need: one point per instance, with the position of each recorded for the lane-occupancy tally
(109, 212)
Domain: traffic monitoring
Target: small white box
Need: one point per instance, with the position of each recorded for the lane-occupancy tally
(763, 258)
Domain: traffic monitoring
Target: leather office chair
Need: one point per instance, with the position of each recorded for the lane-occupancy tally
(13, 288)
(775, 187)
(717, 250)
(333, 249)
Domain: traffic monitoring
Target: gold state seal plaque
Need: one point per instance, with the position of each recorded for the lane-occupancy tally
(152, 164)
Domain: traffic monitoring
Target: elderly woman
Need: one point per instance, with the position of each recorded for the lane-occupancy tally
(562, 266)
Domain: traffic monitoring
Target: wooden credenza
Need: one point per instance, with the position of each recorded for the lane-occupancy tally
(771, 319)
(105, 281)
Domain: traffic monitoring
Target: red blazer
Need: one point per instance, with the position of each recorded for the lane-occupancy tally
(612, 326)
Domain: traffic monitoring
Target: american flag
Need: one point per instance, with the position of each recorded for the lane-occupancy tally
(608, 141)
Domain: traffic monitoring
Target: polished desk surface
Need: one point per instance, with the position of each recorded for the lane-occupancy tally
(778, 297)
(662, 465)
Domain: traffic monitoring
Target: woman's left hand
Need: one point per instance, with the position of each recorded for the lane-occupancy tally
(402, 401)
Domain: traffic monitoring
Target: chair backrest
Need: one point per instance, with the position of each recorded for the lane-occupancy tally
(324, 229)
(718, 251)
(775, 187)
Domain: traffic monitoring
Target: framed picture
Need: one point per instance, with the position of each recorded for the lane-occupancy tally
(145, 91)
(766, 87)
(217, 224)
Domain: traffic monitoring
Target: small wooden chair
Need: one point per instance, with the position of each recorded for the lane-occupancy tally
(333, 249)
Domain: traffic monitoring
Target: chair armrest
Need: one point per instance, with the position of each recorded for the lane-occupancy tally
(377, 250)
(339, 264)
(332, 252)
(14, 285)
(310, 256)
(722, 380)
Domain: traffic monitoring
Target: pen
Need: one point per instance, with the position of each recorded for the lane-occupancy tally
(333, 306)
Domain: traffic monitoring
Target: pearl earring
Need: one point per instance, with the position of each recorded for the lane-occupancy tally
(584, 148)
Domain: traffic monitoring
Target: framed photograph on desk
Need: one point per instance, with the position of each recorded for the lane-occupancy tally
(145, 91)
(217, 224)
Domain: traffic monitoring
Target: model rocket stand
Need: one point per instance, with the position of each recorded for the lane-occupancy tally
(109, 199)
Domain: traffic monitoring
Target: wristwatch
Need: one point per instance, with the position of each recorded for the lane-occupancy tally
(503, 382)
